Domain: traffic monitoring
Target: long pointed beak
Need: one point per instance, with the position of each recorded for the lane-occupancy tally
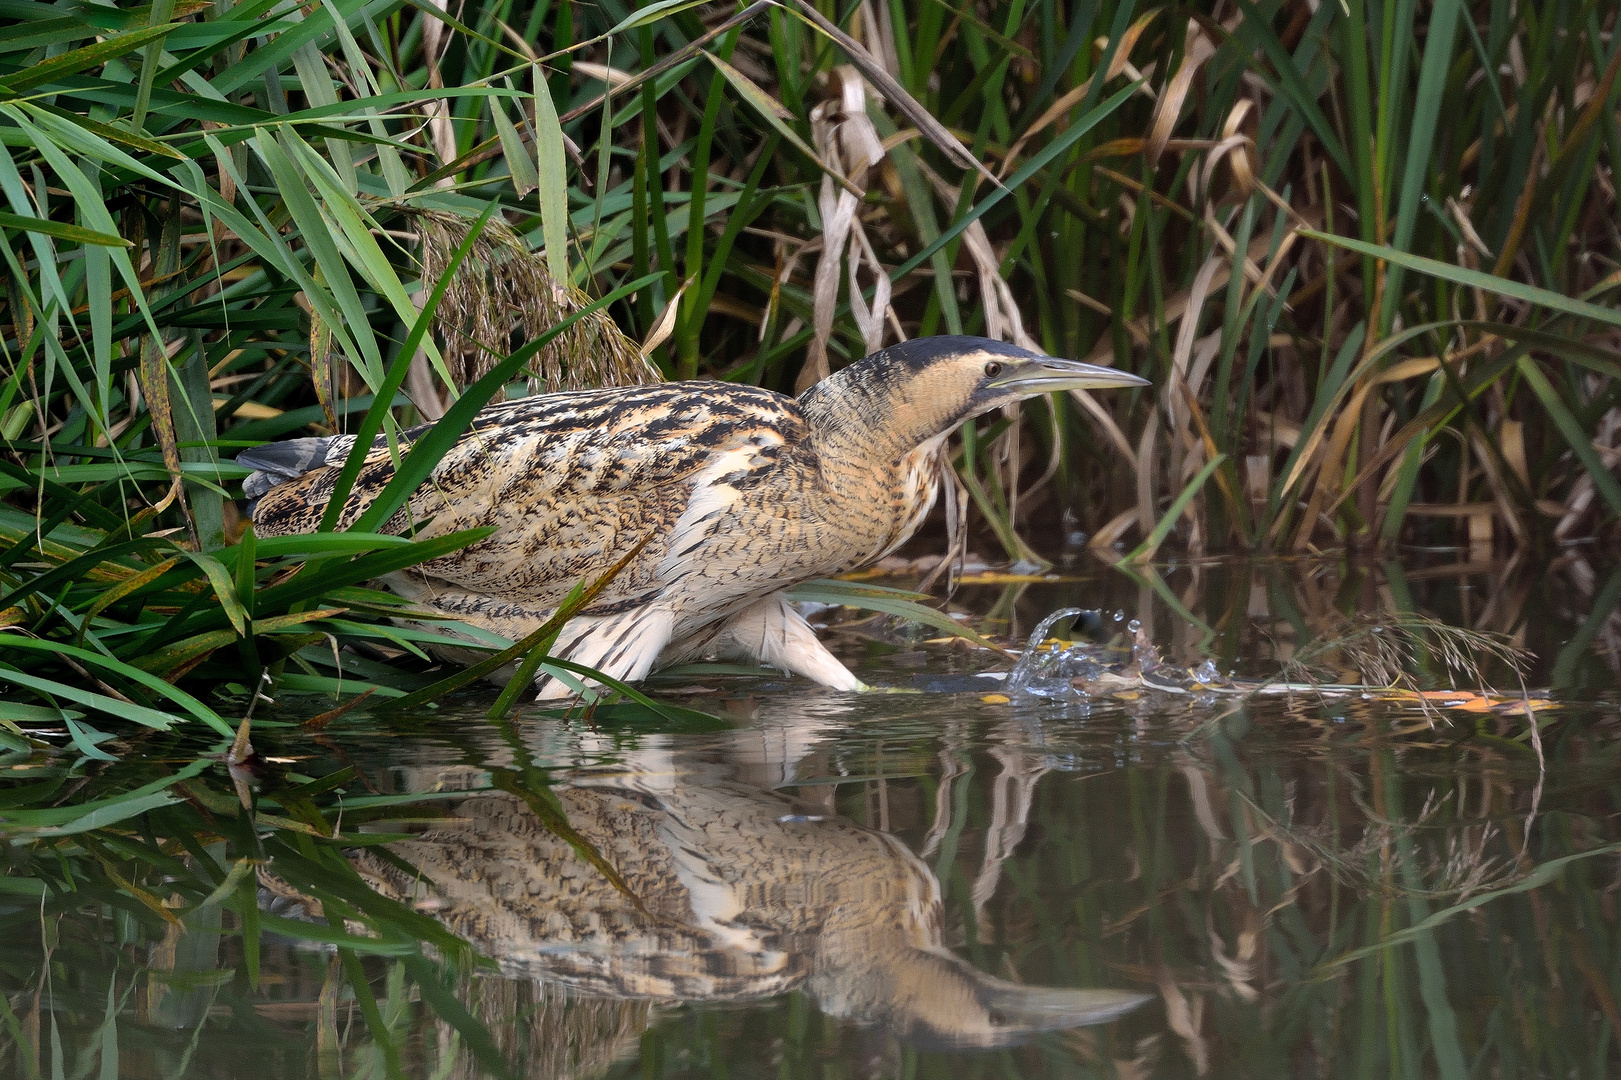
(1046, 374)
(1040, 1008)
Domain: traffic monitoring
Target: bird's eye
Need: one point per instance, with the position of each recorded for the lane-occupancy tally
(993, 369)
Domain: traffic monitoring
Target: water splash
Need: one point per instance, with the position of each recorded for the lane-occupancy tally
(1076, 669)
(1058, 669)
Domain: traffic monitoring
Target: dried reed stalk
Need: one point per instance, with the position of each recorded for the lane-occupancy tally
(847, 142)
(502, 289)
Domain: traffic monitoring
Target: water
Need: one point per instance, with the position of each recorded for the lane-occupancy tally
(1062, 873)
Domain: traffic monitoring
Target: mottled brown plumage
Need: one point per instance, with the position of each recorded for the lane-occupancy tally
(740, 493)
(739, 894)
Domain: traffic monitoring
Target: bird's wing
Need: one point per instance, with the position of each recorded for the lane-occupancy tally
(571, 482)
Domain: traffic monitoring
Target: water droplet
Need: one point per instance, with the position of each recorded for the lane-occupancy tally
(1134, 626)
(1119, 616)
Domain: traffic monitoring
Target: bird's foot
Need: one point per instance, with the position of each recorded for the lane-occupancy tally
(865, 689)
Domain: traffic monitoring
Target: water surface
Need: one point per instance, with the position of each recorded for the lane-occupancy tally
(957, 882)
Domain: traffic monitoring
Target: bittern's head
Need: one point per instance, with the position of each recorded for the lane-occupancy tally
(928, 386)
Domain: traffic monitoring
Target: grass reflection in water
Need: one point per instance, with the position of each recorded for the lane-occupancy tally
(1307, 888)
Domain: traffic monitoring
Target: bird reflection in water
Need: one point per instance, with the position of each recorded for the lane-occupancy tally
(741, 892)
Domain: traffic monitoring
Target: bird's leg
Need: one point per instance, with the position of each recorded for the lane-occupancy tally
(773, 633)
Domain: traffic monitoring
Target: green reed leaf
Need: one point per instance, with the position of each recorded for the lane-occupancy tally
(520, 164)
(552, 177)
(1579, 439)
(1476, 279)
(120, 669)
(372, 423)
(81, 59)
(62, 230)
(898, 602)
(1163, 527)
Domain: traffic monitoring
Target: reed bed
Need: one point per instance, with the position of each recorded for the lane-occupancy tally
(1367, 253)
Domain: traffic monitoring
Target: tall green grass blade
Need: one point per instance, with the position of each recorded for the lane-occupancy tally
(774, 114)
(553, 182)
(62, 231)
(897, 602)
(1041, 160)
(371, 425)
(83, 59)
(519, 163)
(1163, 527)
(161, 12)
(1254, 30)
(1580, 440)
(336, 287)
(649, 14)
(1443, 23)
(1476, 279)
(149, 717)
(195, 430)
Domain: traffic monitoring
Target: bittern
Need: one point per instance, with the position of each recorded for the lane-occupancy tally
(739, 493)
(739, 894)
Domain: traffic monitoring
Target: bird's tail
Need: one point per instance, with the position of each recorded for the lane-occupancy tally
(277, 463)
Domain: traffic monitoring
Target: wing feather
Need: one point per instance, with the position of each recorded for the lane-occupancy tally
(569, 481)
